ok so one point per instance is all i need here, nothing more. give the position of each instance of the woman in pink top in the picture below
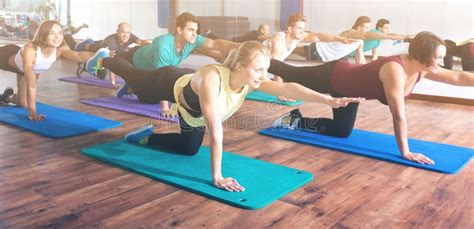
(389, 80)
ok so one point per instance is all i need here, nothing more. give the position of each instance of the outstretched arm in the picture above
(457, 78)
(297, 91)
(208, 83)
(370, 35)
(219, 44)
(79, 57)
(394, 84)
(141, 42)
(326, 37)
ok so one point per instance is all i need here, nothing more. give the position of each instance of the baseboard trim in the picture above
(443, 99)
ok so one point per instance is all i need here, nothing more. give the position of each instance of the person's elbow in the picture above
(398, 117)
(286, 89)
(27, 71)
(216, 136)
(209, 43)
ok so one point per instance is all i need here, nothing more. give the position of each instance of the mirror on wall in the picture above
(19, 20)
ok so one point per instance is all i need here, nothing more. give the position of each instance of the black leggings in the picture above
(318, 78)
(152, 87)
(467, 56)
(187, 142)
(128, 54)
(5, 53)
(71, 43)
(463, 51)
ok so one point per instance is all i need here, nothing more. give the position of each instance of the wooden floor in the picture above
(48, 183)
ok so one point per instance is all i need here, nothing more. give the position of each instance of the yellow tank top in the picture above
(228, 101)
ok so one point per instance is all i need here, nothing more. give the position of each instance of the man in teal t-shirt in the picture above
(171, 49)
(371, 44)
(382, 26)
(162, 52)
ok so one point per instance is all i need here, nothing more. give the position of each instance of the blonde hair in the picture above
(43, 32)
(293, 18)
(245, 54)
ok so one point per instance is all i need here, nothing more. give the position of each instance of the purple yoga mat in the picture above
(90, 80)
(130, 104)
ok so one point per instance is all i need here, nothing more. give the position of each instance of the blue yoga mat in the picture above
(448, 158)
(264, 97)
(264, 182)
(59, 122)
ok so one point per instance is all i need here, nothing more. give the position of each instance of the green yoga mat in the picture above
(264, 97)
(264, 182)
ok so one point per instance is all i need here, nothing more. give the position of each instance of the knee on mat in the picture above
(189, 150)
(341, 133)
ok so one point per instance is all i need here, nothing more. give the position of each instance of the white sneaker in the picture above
(289, 120)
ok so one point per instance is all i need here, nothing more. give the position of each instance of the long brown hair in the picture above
(43, 32)
(360, 21)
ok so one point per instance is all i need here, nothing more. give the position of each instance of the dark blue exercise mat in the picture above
(59, 122)
(448, 158)
(264, 182)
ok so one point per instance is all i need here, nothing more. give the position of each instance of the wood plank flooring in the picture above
(48, 183)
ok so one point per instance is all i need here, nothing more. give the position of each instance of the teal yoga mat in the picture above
(264, 182)
(264, 97)
(448, 158)
(59, 122)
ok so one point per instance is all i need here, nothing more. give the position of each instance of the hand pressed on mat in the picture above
(229, 184)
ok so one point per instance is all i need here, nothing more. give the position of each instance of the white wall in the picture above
(201, 7)
(452, 19)
(258, 11)
(428, 87)
(102, 16)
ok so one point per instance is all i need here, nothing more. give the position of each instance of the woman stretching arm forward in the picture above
(389, 80)
(207, 98)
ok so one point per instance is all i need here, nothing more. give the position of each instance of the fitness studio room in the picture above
(236, 113)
